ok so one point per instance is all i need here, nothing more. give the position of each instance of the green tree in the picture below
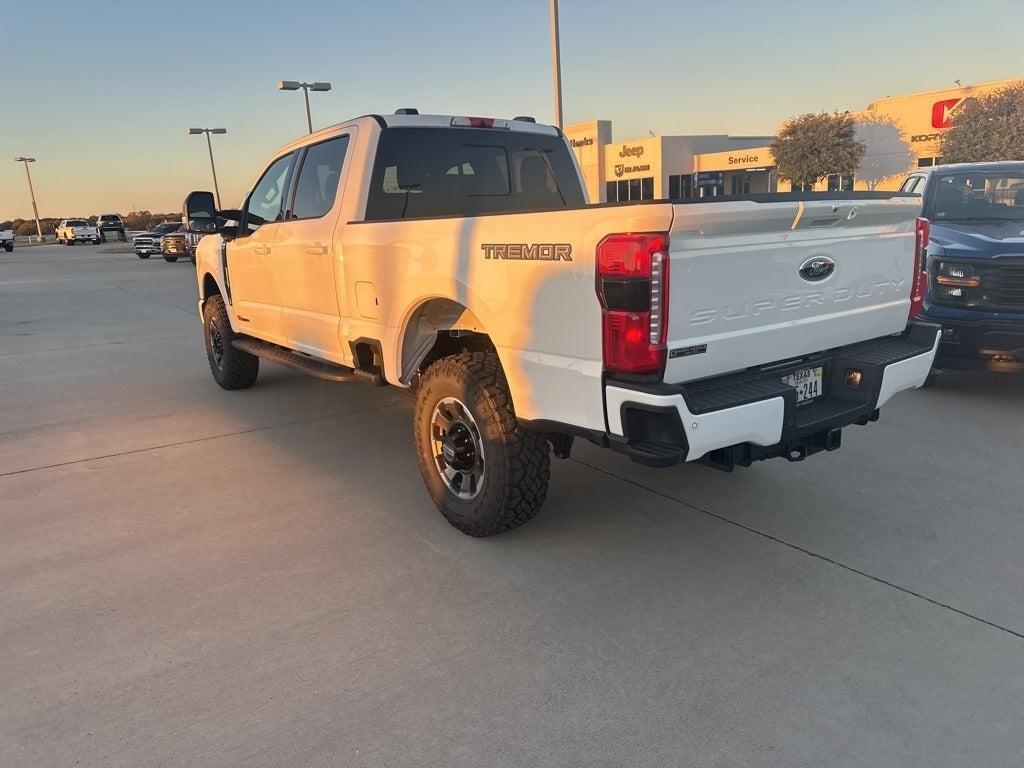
(810, 147)
(987, 128)
(887, 151)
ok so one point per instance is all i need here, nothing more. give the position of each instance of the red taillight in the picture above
(632, 286)
(921, 234)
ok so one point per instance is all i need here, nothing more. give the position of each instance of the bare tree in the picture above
(887, 151)
(812, 146)
(987, 128)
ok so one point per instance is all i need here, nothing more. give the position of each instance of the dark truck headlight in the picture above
(953, 281)
(952, 273)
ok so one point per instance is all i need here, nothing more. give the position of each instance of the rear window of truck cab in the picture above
(426, 172)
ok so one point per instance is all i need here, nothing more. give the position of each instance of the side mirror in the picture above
(200, 213)
(201, 217)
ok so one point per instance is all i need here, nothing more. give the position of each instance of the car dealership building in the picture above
(901, 133)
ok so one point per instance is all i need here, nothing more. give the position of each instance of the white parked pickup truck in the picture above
(71, 231)
(458, 257)
(7, 239)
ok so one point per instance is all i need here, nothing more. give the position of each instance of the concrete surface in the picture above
(195, 577)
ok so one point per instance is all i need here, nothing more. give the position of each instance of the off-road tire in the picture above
(170, 259)
(516, 460)
(235, 369)
(9, 247)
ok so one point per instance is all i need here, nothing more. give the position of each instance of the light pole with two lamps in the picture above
(294, 85)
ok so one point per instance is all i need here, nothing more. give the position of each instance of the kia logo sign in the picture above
(817, 268)
(942, 112)
(631, 151)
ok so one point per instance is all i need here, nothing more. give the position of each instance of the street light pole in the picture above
(294, 85)
(209, 146)
(31, 193)
(556, 63)
(213, 169)
(309, 119)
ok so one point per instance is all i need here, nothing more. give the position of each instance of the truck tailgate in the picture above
(747, 283)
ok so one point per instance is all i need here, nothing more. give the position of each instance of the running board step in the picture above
(313, 366)
(370, 376)
(655, 454)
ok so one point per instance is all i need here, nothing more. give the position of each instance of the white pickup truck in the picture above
(458, 257)
(71, 231)
(7, 239)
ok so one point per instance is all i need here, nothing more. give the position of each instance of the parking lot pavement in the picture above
(195, 577)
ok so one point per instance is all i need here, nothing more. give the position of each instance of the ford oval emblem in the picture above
(817, 268)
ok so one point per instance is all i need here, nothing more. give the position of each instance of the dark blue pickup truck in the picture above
(975, 261)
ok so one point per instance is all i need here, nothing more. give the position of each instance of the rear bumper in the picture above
(740, 418)
(978, 339)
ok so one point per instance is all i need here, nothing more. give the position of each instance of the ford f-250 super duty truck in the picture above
(459, 257)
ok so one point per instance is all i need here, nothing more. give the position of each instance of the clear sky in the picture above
(103, 92)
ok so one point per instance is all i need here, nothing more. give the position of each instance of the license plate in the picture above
(806, 382)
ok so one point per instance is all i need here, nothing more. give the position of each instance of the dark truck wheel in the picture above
(170, 259)
(485, 472)
(232, 368)
(96, 241)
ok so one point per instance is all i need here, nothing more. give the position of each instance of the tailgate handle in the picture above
(317, 250)
(263, 250)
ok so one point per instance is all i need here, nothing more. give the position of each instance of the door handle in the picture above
(317, 250)
(261, 250)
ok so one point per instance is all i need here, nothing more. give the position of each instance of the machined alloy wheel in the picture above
(458, 448)
(485, 471)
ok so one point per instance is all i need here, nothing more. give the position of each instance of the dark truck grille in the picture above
(1001, 289)
(1007, 286)
(173, 243)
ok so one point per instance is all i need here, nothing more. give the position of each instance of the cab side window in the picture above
(912, 185)
(317, 186)
(267, 199)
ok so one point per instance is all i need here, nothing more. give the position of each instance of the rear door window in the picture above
(428, 172)
(317, 185)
